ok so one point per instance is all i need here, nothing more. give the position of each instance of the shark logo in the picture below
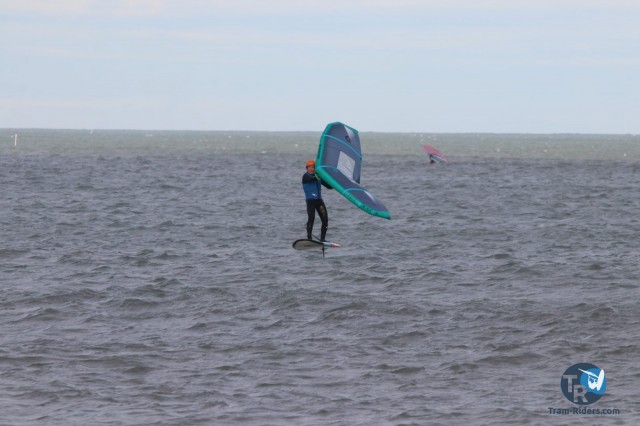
(583, 384)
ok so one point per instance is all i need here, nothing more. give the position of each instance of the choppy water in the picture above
(148, 278)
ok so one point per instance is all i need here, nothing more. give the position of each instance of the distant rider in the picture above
(311, 185)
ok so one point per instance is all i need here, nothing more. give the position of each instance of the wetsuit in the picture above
(312, 193)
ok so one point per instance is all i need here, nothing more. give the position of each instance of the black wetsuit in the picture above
(311, 186)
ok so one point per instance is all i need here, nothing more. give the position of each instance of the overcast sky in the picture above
(525, 66)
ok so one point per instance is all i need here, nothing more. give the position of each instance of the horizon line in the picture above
(89, 129)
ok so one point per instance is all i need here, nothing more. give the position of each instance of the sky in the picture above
(442, 66)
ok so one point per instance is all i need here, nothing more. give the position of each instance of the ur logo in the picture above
(583, 384)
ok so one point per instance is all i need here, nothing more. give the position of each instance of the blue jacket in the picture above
(312, 188)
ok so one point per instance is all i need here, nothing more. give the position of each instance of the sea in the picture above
(148, 278)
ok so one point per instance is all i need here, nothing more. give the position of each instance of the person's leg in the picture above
(324, 217)
(311, 215)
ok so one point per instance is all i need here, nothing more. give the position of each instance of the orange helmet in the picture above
(311, 163)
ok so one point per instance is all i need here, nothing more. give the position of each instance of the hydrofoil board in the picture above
(313, 244)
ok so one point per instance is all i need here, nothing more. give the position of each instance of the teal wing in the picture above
(339, 163)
